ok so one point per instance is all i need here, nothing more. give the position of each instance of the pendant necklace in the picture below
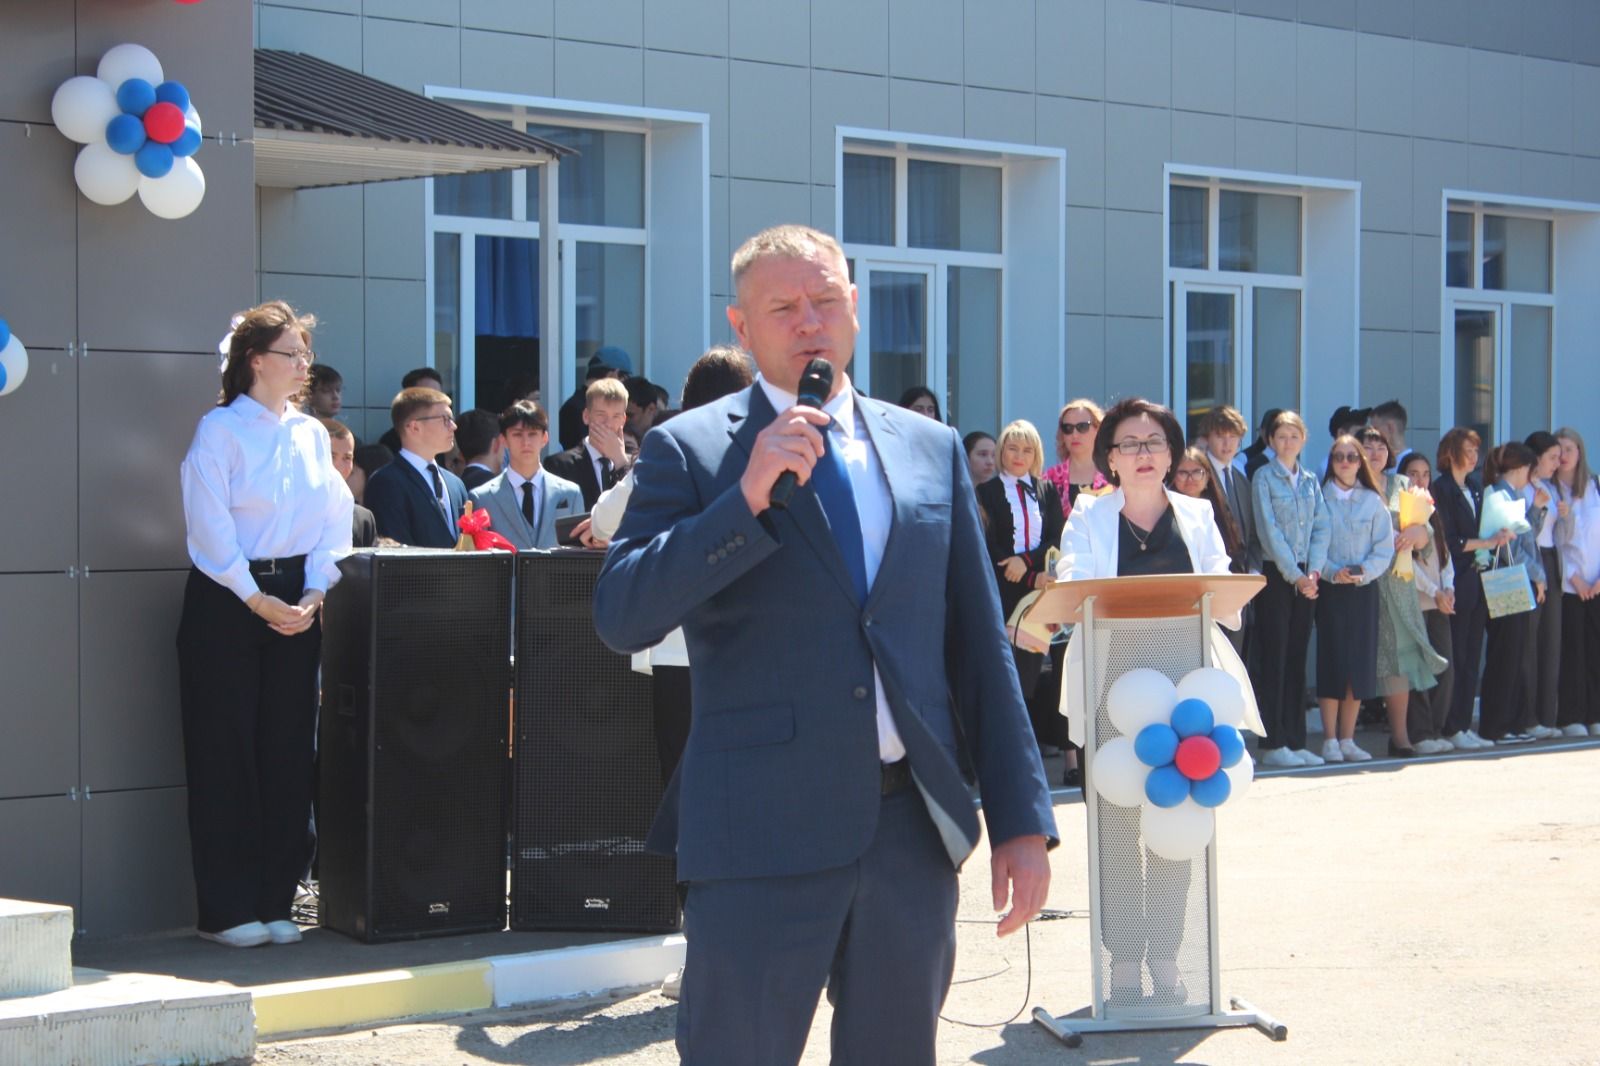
(1144, 541)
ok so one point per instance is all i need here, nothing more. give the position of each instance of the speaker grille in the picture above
(587, 778)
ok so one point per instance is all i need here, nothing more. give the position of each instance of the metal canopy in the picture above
(321, 124)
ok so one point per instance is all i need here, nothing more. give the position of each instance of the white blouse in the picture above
(1027, 523)
(257, 486)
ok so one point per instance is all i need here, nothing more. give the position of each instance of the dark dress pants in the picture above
(1282, 635)
(1503, 695)
(669, 689)
(1425, 713)
(879, 934)
(1466, 640)
(249, 704)
(1580, 661)
(1541, 653)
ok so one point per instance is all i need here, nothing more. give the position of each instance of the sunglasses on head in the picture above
(1070, 428)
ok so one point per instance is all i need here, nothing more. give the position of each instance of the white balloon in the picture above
(191, 117)
(14, 357)
(82, 107)
(1139, 698)
(1218, 688)
(1240, 774)
(129, 61)
(1177, 833)
(176, 193)
(1117, 774)
(104, 176)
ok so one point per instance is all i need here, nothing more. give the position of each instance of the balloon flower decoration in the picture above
(139, 131)
(1179, 758)
(476, 534)
(13, 360)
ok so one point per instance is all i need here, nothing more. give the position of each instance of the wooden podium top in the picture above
(1145, 596)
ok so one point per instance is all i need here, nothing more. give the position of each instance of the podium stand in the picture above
(1143, 907)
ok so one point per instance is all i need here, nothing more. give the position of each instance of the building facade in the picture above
(1266, 202)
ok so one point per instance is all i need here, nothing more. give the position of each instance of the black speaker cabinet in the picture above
(586, 777)
(416, 685)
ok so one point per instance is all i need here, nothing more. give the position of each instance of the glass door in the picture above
(897, 344)
(1477, 338)
(1207, 339)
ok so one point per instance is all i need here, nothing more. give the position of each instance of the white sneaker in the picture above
(248, 935)
(1461, 741)
(1434, 747)
(1540, 732)
(1575, 730)
(1308, 758)
(672, 987)
(1332, 751)
(1473, 733)
(283, 932)
(1352, 753)
(1282, 758)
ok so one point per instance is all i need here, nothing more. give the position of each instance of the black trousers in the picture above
(1503, 696)
(1466, 640)
(249, 701)
(1580, 660)
(1282, 635)
(1541, 653)
(669, 685)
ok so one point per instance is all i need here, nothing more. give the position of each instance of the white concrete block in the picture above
(35, 949)
(540, 976)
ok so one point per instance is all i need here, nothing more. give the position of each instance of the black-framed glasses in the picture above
(1153, 446)
(1069, 428)
(429, 418)
(299, 353)
(1188, 475)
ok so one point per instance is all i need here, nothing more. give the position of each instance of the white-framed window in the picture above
(954, 296)
(1499, 271)
(1254, 263)
(632, 252)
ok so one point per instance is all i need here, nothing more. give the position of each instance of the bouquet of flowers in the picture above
(1416, 507)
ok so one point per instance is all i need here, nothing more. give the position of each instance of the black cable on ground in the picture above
(1027, 941)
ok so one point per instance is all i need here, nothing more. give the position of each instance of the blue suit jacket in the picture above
(402, 501)
(781, 773)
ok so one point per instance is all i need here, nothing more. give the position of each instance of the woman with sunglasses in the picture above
(1407, 661)
(1360, 551)
(1434, 576)
(1292, 526)
(1075, 471)
(268, 517)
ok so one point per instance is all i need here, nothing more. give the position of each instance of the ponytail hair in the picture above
(1512, 455)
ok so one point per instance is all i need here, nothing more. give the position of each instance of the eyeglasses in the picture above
(1069, 428)
(299, 353)
(429, 418)
(1345, 457)
(1153, 446)
(1189, 475)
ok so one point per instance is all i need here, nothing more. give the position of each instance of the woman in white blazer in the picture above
(1143, 527)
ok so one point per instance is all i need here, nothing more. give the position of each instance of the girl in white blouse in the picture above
(268, 517)
(1578, 539)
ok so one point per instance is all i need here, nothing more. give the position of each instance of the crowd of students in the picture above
(1394, 600)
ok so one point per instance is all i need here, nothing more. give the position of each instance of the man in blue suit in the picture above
(414, 499)
(849, 659)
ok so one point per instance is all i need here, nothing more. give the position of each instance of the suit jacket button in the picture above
(738, 541)
(712, 558)
(722, 553)
(860, 692)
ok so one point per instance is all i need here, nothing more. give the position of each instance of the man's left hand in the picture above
(1021, 871)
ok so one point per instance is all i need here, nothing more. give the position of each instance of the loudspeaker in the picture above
(416, 682)
(586, 779)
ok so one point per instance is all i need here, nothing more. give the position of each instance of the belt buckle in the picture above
(270, 565)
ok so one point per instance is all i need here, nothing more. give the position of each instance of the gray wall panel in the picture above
(605, 21)
(1391, 17)
(1079, 126)
(1138, 53)
(1265, 81)
(131, 507)
(39, 715)
(512, 16)
(1202, 60)
(925, 39)
(839, 99)
(693, 83)
(508, 63)
(761, 142)
(919, 107)
(324, 34)
(392, 218)
(681, 25)
(1383, 83)
(311, 231)
(1326, 69)
(38, 424)
(41, 840)
(850, 35)
(1339, 14)
(996, 115)
(153, 284)
(1070, 52)
(37, 273)
(990, 58)
(132, 731)
(35, 57)
(606, 73)
(769, 31)
(136, 871)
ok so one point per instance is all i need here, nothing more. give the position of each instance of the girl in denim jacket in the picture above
(1292, 525)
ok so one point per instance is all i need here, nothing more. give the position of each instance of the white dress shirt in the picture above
(595, 455)
(1027, 523)
(537, 481)
(257, 486)
(875, 508)
(421, 465)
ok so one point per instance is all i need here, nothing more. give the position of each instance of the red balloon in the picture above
(1198, 758)
(163, 123)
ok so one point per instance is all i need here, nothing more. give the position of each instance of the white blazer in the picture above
(1089, 548)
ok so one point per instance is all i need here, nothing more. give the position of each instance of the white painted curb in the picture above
(564, 973)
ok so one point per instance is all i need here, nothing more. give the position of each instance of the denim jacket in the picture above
(1291, 519)
(1525, 549)
(1360, 533)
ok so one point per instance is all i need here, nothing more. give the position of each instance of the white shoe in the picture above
(1309, 758)
(1575, 730)
(1473, 733)
(1461, 741)
(1352, 753)
(283, 932)
(1594, 730)
(248, 935)
(1434, 747)
(1332, 751)
(1540, 732)
(1281, 758)
(672, 987)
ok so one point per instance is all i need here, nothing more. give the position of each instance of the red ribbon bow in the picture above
(476, 525)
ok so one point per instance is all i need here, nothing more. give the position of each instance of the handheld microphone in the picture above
(815, 384)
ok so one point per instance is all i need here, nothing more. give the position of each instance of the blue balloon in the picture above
(125, 134)
(174, 93)
(135, 96)
(1229, 743)
(1156, 744)
(187, 144)
(1192, 718)
(5, 333)
(1212, 791)
(154, 160)
(2, 377)
(1166, 787)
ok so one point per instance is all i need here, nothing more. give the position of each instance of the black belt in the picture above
(896, 776)
(266, 567)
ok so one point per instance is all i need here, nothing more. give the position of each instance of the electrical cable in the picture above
(1027, 941)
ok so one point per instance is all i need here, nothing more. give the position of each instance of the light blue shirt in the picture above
(1360, 532)
(1291, 519)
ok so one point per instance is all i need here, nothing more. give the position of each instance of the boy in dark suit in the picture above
(414, 499)
(599, 460)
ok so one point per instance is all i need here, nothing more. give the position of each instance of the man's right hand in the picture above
(610, 445)
(791, 442)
